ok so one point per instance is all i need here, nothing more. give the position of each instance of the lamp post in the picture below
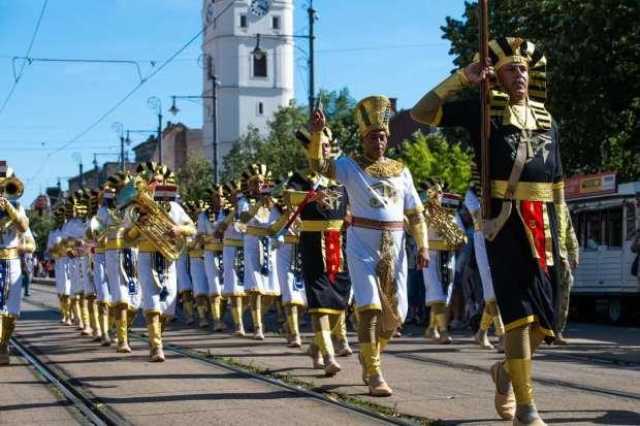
(258, 53)
(214, 128)
(156, 105)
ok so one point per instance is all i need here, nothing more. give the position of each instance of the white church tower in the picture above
(250, 86)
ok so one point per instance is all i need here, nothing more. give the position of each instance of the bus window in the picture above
(631, 220)
(593, 221)
(613, 227)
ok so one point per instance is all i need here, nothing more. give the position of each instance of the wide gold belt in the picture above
(233, 243)
(145, 246)
(440, 245)
(217, 246)
(100, 250)
(321, 225)
(8, 253)
(117, 244)
(258, 231)
(529, 191)
(196, 253)
(291, 239)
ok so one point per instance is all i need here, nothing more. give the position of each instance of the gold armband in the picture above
(428, 110)
(418, 230)
(20, 221)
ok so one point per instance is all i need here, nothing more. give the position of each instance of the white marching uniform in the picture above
(117, 278)
(150, 279)
(233, 242)
(63, 283)
(182, 270)
(472, 203)
(196, 257)
(259, 254)
(76, 228)
(291, 283)
(212, 258)
(100, 282)
(434, 288)
(381, 199)
(10, 268)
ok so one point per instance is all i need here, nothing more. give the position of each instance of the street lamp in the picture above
(156, 105)
(214, 128)
(259, 53)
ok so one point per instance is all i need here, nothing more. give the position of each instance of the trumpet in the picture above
(11, 187)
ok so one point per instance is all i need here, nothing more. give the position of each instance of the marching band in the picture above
(327, 240)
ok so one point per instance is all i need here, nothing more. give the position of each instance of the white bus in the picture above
(605, 218)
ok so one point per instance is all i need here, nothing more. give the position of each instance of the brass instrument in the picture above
(11, 187)
(157, 225)
(444, 222)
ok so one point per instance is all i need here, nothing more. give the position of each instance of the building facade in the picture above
(250, 87)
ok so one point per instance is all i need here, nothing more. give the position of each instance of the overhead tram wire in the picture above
(128, 95)
(24, 63)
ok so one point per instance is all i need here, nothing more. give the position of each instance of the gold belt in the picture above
(118, 244)
(528, 191)
(217, 246)
(321, 225)
(362, 222)
(295, 198)
(145, 246)
(440, 245)
(258, 231)
(100, 250)
(8, 253)
(291, 239)
(196, 253)
(233, 243)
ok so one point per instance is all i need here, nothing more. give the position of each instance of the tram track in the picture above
(87, 408)
(90, 404)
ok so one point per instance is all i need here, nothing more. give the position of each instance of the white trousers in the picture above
(100, 278)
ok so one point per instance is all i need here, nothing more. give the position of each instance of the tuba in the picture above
(11, 187)
(158, 224)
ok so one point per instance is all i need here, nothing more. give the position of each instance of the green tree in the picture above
(194, 178)
(593, 51)
(433, 157)
(40, 225)
(280, 150)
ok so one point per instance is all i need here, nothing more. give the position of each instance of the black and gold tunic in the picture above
(321, 245)
(525, 254)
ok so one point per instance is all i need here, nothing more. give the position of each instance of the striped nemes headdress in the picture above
(78, 203)
(256, 172)
(95, 199)
(153, 172)
(231, 188)
(373, 113)
(116, 182)
(510, 50)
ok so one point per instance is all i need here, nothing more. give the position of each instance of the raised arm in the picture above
(319, 146)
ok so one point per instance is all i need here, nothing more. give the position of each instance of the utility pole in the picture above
(81, 177)
(214, 118)
(122, 152)
(155, 104)
(312, 84)
(95, 169)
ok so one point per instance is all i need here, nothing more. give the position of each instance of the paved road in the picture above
(593, 381)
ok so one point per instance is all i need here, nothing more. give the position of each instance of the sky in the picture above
(59, 114)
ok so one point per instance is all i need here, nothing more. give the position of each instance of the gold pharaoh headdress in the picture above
(373, 113)
(509, 50)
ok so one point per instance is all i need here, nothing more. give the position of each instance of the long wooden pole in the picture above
(486, 118)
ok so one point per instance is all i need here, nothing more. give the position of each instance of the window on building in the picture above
(260, 65)
(275, 22)
(243, 21)
(260, 108)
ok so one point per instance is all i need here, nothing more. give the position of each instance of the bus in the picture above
(606, 216)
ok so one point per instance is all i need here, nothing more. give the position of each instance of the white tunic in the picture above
(182, 269)
(291, 286)
(100, 282)
(198, 274)
(63, 284)
(383, 199)
(212, 260)
(75, 228)
(232, 284)
(10, 238)
(258, 256)
(150, 291)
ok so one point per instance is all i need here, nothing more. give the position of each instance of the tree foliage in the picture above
(593, 52)
(432, 157)
(280, 149)
(40, 224)
(194, 178)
